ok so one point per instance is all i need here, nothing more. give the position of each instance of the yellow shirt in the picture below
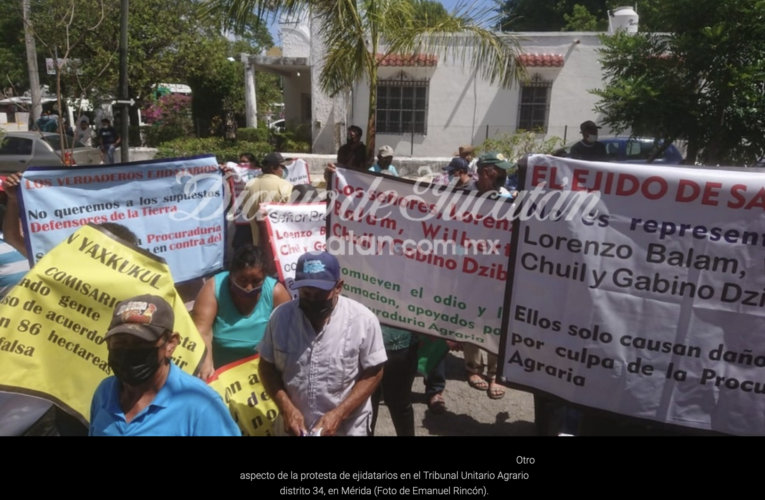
(264, 189)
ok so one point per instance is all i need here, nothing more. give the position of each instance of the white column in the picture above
(250, 99)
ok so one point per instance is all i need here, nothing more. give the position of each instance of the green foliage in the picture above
(582, 20)
(702, 83)
(217, 84)
(259, 134)
(223, 150)
(13, 69)
(295, 139)
(522, 142)
(429, 12)
(563, 15)
(167, 43)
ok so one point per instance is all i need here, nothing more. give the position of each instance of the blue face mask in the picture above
(285, 173)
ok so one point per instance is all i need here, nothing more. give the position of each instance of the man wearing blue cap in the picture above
(322, 356)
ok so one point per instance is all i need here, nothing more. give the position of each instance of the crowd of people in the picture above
(325, 359)
(105, 138)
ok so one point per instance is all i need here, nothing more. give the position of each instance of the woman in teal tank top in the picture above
(232, 309)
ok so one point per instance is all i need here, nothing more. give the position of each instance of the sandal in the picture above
(437, 404)
(477, 382)
(496, 391)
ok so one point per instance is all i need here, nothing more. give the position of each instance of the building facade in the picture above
(427, 106)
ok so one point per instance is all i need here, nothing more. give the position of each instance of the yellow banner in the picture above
(52, 324)
(240, 386)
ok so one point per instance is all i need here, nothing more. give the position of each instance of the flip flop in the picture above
(495, 391)
(477, 382)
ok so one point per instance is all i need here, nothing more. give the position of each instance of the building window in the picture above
(402, 106)
(534, 106)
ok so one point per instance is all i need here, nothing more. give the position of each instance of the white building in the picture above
(427, 106)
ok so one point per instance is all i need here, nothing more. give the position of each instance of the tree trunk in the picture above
(34, 77)
(372, 124)
(692, 151)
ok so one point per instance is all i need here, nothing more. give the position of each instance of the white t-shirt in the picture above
(85, 136)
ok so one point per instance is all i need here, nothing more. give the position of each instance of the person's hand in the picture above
(328, 424)
(294, 423)
(454, 346)
(328, 171)
(206, 371)
(11, 185)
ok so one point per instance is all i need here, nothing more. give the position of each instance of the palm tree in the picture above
(356, 31)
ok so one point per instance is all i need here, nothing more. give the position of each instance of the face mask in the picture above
(134, 366)
(317, 310)
(592, 137)
(285, 174)
(349, 140)
(242, 292)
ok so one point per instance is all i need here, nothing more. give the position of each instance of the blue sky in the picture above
(480, 5)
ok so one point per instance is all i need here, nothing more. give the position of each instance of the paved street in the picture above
(469, 412)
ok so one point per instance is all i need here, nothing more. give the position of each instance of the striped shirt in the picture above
(13, 267)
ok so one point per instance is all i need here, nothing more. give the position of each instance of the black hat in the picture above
(147, 317)
(274, 159)
(588, 125)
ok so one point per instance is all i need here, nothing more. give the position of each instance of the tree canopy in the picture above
(355, 32)
(573, 15)
(703, 82)
(167, 43)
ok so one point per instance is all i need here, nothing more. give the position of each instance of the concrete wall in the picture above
(295, 34)
(294, 88)
(406, 167)
(463, 108)
(571, 103)
(328, 114)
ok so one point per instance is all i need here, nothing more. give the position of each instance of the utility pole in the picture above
(124, 97)
(34, 77)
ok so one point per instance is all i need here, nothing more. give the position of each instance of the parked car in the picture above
(632, 150)
(21, 150)
(278, 126)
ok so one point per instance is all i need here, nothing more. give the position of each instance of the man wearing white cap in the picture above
(384, 163)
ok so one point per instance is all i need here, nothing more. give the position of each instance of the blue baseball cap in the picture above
(318, 270)
(456, 165)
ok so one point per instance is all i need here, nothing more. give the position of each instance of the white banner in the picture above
(428, 260)
(649, 301)
(295, 229)
(242, 174)
(298, 172)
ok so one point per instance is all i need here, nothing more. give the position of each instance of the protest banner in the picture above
(432, 261)
(298, 172)
(241, 175)
(52, 324)
(240, 387)
(294, 229)
(648, 300)
(175, 207)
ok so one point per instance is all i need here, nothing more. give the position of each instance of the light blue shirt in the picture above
(391, 170)
(13, 267)
(185, 406)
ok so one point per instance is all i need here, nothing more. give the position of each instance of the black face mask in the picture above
(349, 139)
(317, 310)
(134, 366)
